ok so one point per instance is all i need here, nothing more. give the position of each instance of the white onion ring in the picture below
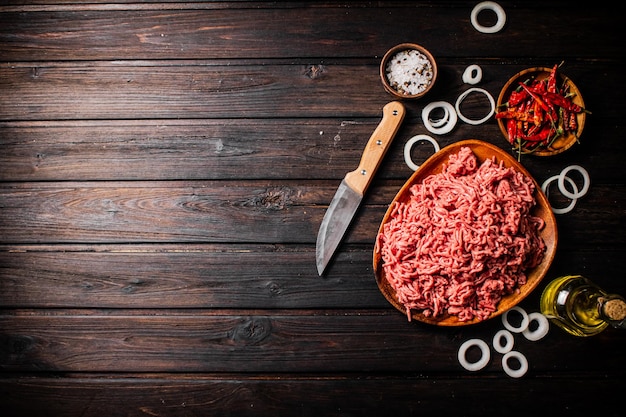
(503, 334)
(443, 120)
(586, 181)
(524, 323)
(515, 373)
(473, 74)
(567, 209)
(464, 95)
(409, 145)
(488, 5)
(540, 331)
(479, 364)
(450, 122)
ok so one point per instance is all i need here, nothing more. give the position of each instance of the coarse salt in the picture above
(409, 72)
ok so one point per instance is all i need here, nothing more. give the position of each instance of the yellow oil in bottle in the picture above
(577, 305)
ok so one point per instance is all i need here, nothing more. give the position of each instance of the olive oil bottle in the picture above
(580, 307)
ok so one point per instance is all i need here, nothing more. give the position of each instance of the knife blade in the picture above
(349, 195)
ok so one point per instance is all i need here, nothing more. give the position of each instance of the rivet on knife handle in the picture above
(376, 148)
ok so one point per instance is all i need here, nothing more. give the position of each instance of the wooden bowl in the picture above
(434, 165)
(420, 78)
(562, 143)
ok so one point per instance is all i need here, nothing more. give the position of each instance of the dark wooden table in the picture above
(164, 169)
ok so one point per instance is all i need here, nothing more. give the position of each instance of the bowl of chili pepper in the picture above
(541, 112)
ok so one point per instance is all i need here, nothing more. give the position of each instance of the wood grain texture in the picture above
(260, 341)
(165, 165)
(216, 276)
(162, 90)
(232, 212)
(252, 149)
(325, 30)
(284, 395)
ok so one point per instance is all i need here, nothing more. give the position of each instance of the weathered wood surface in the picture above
(164, 167)
(303, 30)
(303, 395)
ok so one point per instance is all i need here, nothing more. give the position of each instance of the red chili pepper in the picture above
(511, 129)
(563, 117)
(537, 98)
(530, 147)
(572, 122)
(523, 126)
(551, 80)
(514, 114)
(537, 87)
(562, 101)
(532, 129)
(542, 135)
(537, 114)
(517, 97)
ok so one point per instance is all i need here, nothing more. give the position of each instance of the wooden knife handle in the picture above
(376, 148)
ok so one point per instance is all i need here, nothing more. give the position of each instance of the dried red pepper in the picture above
(535, 93)
(538, 112)
(551, 83)
(517, 97)
(515, 114)
(562, 101)
(572, 122)
(511, 129)
(541, 136)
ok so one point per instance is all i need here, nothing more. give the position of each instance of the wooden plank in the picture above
(262, 341)
(236, 212)
(60, 5)
(252, 149)
(286, 395)
(333, 31)
(188, 149)
(189, 276)
(170, 90)
(143, 211)
(221, 276)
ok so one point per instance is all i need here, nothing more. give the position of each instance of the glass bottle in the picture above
(580, 307)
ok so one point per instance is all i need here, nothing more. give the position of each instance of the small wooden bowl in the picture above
(542, 209)
(400, 91)
(566, 141)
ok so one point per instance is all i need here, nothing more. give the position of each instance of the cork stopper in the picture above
(615, 309)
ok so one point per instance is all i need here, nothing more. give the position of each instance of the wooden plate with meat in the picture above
(440, 266)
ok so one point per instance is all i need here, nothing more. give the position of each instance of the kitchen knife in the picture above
(348, 196)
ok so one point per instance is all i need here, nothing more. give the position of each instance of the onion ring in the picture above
(503, 334)
(540, 331)
(524, 323)
(450, 122)
(479, 364)
(586, 181)
(464, 95)
(488, 5)
(567, 209)
(472, 75)
(443, 120)
(409, 146)
(514, 373)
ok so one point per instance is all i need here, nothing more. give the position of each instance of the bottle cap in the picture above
(615, 309)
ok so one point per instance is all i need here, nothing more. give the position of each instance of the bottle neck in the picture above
(613, 310)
